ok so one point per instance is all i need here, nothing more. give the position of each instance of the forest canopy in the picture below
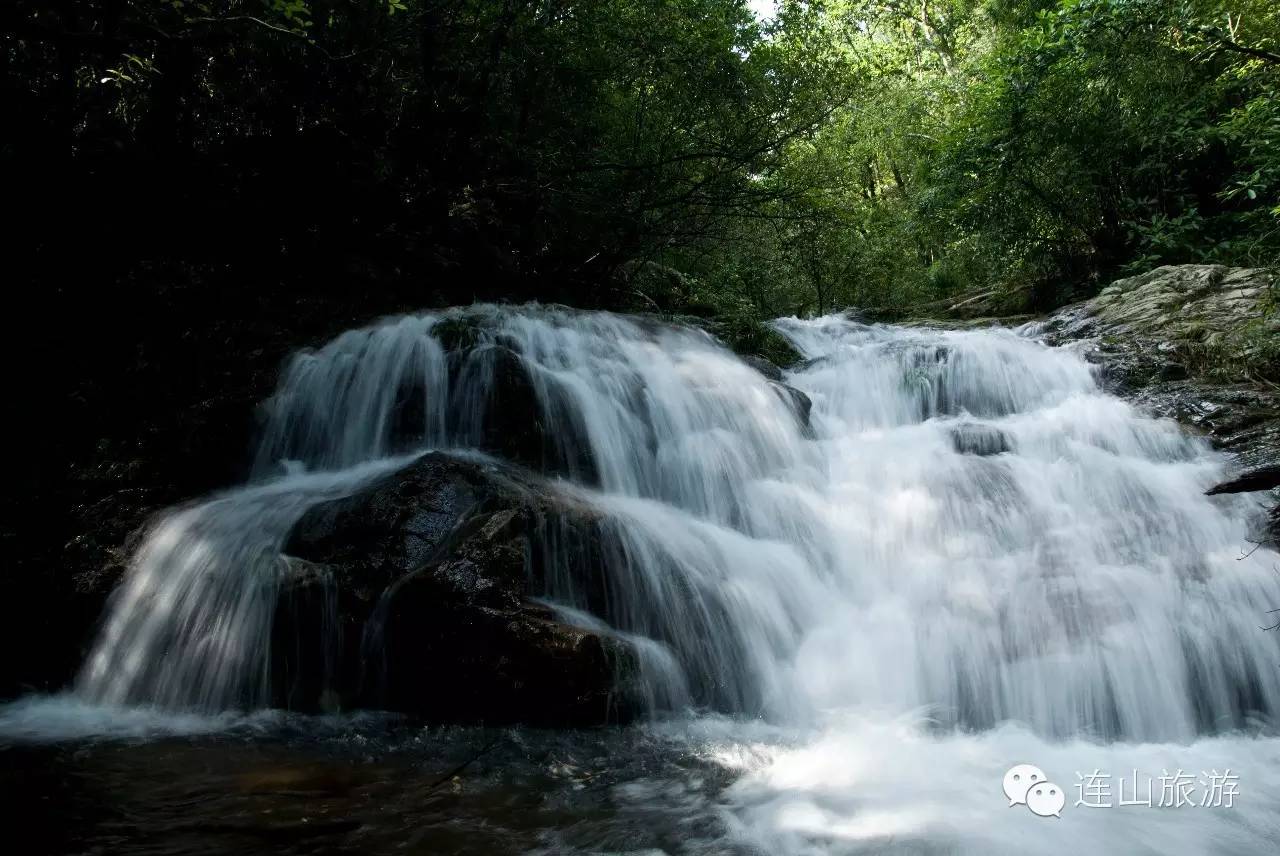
(681, 156)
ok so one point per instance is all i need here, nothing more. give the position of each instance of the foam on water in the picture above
(889, 785)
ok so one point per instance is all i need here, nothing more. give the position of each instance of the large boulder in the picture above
(417, 594)
(1190, 342)
(769, 369)
(976, 438)
(1183, 302)
(1204, 322)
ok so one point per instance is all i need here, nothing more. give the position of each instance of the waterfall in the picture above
(189, 628)
(1014, 544)
(970, 527)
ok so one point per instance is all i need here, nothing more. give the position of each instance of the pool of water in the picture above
(81, 780)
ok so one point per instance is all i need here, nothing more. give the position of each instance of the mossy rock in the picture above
(456, 334)
(760, 340)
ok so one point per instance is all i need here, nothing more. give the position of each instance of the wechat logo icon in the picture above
(1026, 784)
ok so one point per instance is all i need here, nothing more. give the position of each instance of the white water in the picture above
(1080, 582)
(977, 559)
(1073, 602)
(189, 628)
(875, 784)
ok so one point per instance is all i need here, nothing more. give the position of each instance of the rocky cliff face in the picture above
(1200, 344)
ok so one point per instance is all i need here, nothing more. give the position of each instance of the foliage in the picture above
(513, 148)
(870, 152)
(1035, 148)
(1094, 136)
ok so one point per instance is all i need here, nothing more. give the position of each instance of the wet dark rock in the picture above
(765, 367)
(507, 418)
(976, 439)
(311, 642)
(1266, 525)
(800, 404)
(768, 343)
(1263, 478)
(394, 525)
(457, 333)
(415, 594)
(495, 665)
(813, 362)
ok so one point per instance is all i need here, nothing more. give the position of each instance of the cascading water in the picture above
(1013, 544)
(975, 529)
(190, 626)
(676, 432)
(973, 549)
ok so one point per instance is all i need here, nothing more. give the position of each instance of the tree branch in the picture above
(1225, 43)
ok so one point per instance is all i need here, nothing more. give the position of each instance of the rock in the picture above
(800, 404)
(415, 594)
(1263, 478)
(980, 323)
(748, 337)
(1197, 344)
(1183, 301)
(494, 405)
(495, 665)
(506, 417)
(1179, 340)
(974, 439)
(765, 367)
(1205, 322)
(771, 345)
